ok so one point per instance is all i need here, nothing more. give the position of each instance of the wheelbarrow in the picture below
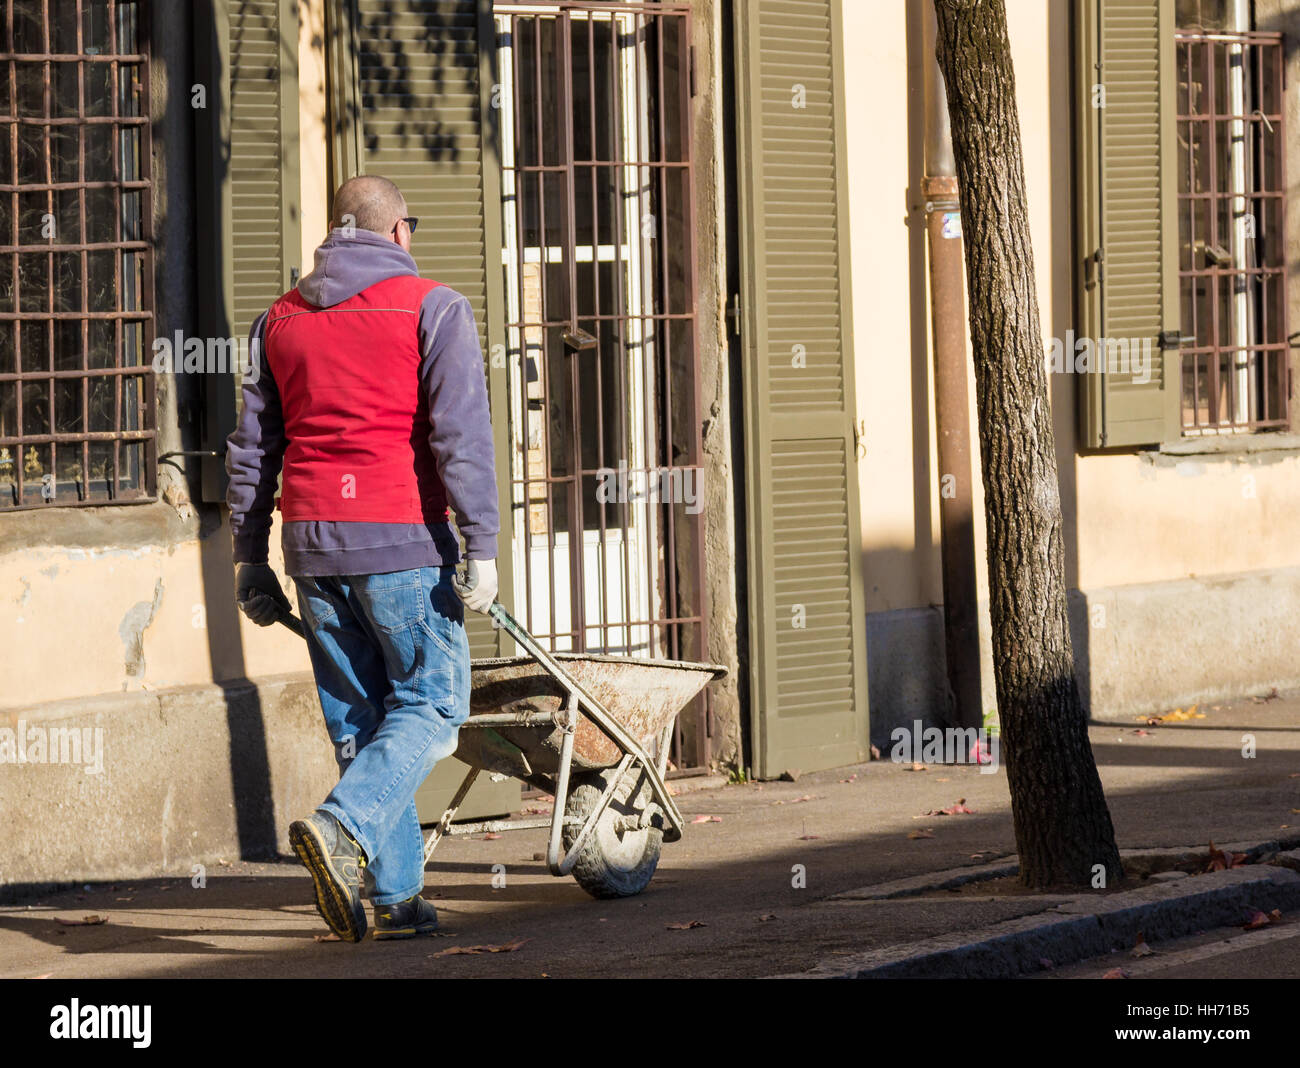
(578, 725)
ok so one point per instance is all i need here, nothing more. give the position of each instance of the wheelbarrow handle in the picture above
(292, 622)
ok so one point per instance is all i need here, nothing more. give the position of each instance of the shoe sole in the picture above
(384, 936)
(403, 932)
(341, 911)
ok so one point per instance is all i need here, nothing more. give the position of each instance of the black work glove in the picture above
(259, 594)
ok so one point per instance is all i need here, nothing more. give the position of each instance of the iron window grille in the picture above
(1232, 226)
(77, 393)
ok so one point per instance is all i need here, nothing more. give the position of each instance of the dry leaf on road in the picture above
(686, 926)
(460, 951)
(85, 921)
(957, 809)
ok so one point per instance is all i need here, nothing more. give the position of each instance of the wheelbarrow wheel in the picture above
(613, 862)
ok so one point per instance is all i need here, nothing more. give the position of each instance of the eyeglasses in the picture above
(410, 222)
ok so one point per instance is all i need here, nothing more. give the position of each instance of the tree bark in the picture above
(1063, 827)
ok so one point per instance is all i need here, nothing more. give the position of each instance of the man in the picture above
(372, 397)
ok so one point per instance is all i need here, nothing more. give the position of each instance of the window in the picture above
(1231, 222)
(76, 272)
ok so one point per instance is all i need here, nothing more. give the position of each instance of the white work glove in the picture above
(478, 587)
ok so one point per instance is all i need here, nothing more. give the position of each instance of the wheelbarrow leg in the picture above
(599, 715)
(568, 726)
(444, 824)
(665, 744)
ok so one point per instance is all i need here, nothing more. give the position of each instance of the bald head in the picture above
(368, 202)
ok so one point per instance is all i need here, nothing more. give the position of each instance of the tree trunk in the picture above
(1063, 827)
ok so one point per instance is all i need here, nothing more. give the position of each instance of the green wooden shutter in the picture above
(1127, 269)
(420, 112)
(250, 228)
(807, 618)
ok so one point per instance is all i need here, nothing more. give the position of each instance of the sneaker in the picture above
(405, 919)
(335, 862)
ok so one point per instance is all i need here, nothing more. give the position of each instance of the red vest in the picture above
(356, 421)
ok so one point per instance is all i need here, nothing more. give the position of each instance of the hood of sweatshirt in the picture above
(348, 262)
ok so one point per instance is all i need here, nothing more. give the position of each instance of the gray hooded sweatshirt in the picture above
(451, 371)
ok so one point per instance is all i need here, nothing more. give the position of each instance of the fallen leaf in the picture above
(920, 834)
(1221, 861)
(1257, 919)
(806, 797)
(957, 809)
(85, 921)
(851, 778)
(331, 937)
(918, 767)
(1140, 948)
(1178, 716)
(875, 753)
(458, 951)
(686, 926)
(490, 835)
(1116, 973)
(1143, 734)
(808, 837)
(707, 819)
(45, 976)
(767, 917)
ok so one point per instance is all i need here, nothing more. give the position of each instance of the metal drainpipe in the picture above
(1243, 312)
(951, 403)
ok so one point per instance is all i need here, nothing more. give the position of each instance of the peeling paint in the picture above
(132, 628)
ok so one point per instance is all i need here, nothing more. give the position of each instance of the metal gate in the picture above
(598, 220)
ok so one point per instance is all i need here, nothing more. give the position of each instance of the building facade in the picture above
(693, 235)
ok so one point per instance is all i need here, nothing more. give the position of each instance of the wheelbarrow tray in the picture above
(643, 696)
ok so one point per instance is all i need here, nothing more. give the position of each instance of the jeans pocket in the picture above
(314, 605)
(395, 601)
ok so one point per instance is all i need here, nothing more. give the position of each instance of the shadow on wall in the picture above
(906, 663)
(250, 773)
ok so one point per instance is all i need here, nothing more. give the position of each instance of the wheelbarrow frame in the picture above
(577, 701)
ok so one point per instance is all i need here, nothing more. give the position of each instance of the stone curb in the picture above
(1136, 861)
(1084, 926)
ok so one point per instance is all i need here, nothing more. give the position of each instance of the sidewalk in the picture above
(1178, 784)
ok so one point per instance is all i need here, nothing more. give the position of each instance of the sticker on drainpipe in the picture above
(951, 224)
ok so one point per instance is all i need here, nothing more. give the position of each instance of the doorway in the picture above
(598, 260)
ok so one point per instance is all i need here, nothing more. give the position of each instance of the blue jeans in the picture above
(391, 660)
